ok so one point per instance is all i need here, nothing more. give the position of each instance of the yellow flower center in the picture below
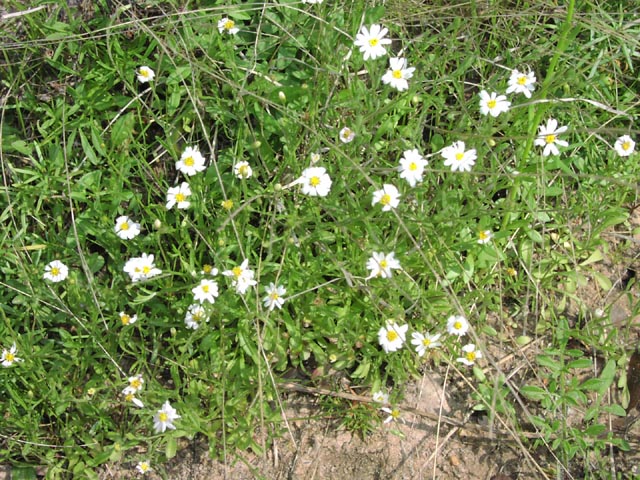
(55, 271)
(144, 466)
(386, 198)
(207, 269)
(180, 197)
(229, 24)
(383, 263)
(626, 146)
(550, 138)
(457, 325)
(511, 272)
(145, 72)
(163, 417)
(274, 296)
(314, 182)
(492, 104)
(9, 357)
(426, 342)
(197, 316)
(483, 235)
(237, 271)
(413, 166)
(129, 397)
(227, 204)
(397, 74)
(395, 413)
(244, 170)
(373, 42)
(471, 356)
(189, 161)
(125, 319)
(135, 383)
(522, 80)
(146, 269)
(391, 335)
(459, 156)
(346, 133)
(205, 288)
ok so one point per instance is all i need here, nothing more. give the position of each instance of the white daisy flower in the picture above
(274, 296)
(388, 197)
(469, 354)
(392, 336)
(398, 74)
(346, 135)
(457, 325)
(9, 357)
(423, 342)
(126, 228)
(179, 196)
(145, 74)
(227, 25)
(55, 271)
(191, 161)
(315, 182)
(458, 158)
(371, 41)
(548, 138)
(205, 291)
(524, 83)
(164, 418)
(624, 146)
(242, 277)
(380, 397)
(493, 104)
(143, 467)
(484, 236)
(242, 170)
(381, 265)
(196, 315)
(412, 166)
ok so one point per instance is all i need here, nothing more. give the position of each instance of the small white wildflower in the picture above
(457, 325)
(55, 271)
(470, 354)
(392, 336)
(624, 146)
(126, 228)
(548, 138)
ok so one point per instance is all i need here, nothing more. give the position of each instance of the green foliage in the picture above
(83, 142)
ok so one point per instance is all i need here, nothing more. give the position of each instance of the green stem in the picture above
(537, 111)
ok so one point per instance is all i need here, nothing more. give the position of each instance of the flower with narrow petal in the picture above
(127, 319)
(205, 291)
(191, 161)
(380, 397)
(392, 336)
(548, 138)
(9, 357)
(346, 135)
(141, 268)
(226, 25)
(126, 228)
(412, 166)
(484, 236)
(129, 394)
(135, 383)
(315, 182)
(388, 197)
(624, 146)
(423, 342)
(55, 271)
(520, 82)
(145, 74)
(393, 414)
(381, 265)
(242, 277)
(209, 270)
(459, 159)
(274, 296)
(143, 467)
(398, 74)
(179, 196)
(371, 41)
(469, 354)
(196, 315)
(165, 417)
(242, 170)
(493, 104)
(457, 325)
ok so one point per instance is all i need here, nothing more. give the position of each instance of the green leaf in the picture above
(171, 447)
(23, 473)
(534, 393)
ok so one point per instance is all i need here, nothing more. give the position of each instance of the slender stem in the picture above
(537, 112)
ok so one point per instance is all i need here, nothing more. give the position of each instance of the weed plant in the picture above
(240, 191)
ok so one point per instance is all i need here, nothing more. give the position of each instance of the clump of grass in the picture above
(236, 192)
